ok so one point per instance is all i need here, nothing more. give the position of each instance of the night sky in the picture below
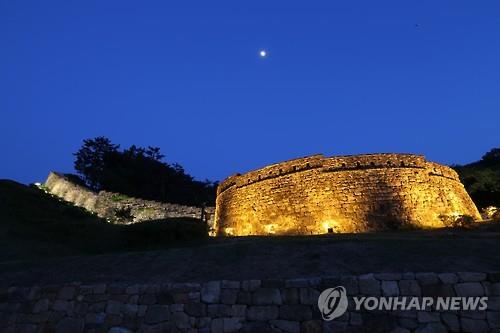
(340, 77)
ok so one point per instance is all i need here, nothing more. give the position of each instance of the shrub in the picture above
(457, 221)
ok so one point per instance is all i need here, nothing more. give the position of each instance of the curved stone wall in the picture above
(316, 195)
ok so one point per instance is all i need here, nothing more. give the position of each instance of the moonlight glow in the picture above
(263, 53)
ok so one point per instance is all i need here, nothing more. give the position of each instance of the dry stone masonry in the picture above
(316, 195)
(247, 306)
(119, 208)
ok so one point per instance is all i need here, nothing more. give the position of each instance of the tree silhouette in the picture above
(139, 172)
(91, 160)
(482, 179)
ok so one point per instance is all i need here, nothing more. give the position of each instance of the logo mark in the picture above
(332, 303)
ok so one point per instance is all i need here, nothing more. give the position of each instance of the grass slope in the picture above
(35, 225)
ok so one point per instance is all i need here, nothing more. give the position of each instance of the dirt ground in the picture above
(274, 257)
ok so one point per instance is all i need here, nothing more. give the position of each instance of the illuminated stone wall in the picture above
(119, 208)
(316, 195)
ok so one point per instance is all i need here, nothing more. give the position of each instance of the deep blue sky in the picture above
(341, 78)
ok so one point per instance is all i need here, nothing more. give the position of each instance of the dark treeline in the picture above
(482, 179)
(139, 172)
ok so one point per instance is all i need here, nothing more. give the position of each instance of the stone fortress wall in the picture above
(316, 195)
(119, 208)
(249, 306)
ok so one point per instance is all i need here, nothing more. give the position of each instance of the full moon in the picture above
(263, 53)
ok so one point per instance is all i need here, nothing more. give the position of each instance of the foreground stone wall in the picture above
(119, 208)
(316, 195)
(246, 306)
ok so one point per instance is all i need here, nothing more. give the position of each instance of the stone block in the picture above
(408, 323)
(473, 314)
(473, 325)
(41, 306)
(427, 317)
(132, 289)
(219, 310)
(409, 288)
(438, 290)
(273, 283)
(147, 299)
(432, 328)
(448, 278)
(239, 310)
(95, 318)
(355, 319)
(399, 329)
(141, 310)
(184, 287)
(130, 309)
(335, 326)
(308, 296)
(295, 312)
(494, 303)
(493, 318)
(262, 312)
(451, 321)
(34, 293)
(73, 325)
(250, 285)
(286, 325)
(232, 324)
(244, 298)
(116, 289)
(229, 296)
(180, 320)
(311, 326)
(203, 322)
(217, 325)
(114, 307)
(390, 288)
(426, 278)
(99, 289)
(63, 306)
(195, 309)
(494, 277)
(471, 276)
(296, 283)
(388, 276)
(157, 314)
(350, 283)
(469, 289)
(210, 292)
(67, 293)
(118, 329)
(290, 296)
(369, 286)
(25, 328)
(113, 320)
(176, 307)
(227, 284)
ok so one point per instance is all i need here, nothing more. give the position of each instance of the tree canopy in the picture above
(482, 179)
(139, 172)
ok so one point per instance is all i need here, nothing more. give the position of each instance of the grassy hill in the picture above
(34, 225)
